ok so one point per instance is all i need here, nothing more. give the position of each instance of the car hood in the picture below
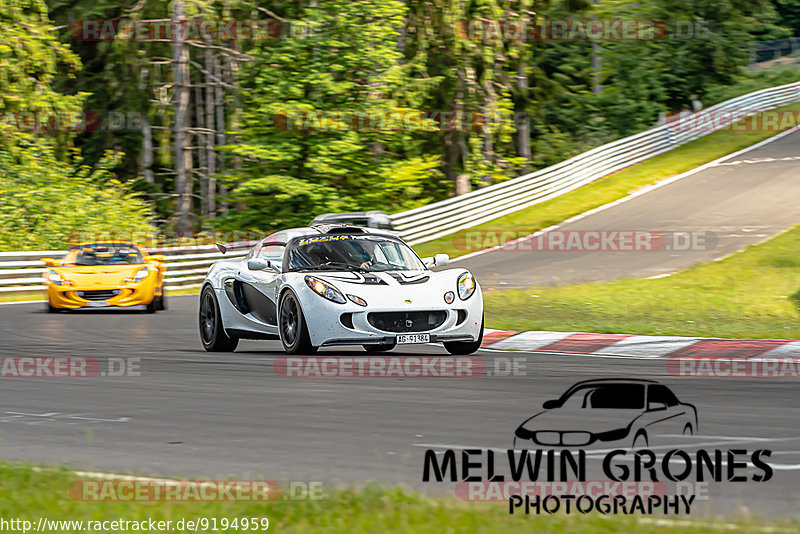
(102, 274)
(581, 419)
(401, 289)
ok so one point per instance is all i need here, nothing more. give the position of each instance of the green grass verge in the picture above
(28, 495)
(24, 295)
(609, 188)
(752, 294)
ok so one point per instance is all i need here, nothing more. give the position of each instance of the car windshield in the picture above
(611, 396)
(103, 254)
(351, 252)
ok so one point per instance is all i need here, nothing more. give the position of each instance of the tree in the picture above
(46, 193)
(316, 123)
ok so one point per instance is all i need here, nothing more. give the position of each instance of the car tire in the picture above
(50, 308)
(461, 348)
(212, 332)
(292, 326)
(152, 306)
(382, 347)
(162, 301)
(640, 440)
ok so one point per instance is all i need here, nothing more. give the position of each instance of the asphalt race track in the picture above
(736, 203)
(188, 413)
(194, 414)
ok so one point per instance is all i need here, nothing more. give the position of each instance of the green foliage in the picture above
(43, 201)
(294, 165)
(372, 57)
(31, 61)
(46, 192)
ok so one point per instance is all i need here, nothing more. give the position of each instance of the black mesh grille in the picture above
(407, 321)
(101, 294)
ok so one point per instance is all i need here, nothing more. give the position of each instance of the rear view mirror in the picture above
(549, 405)
(222, 248)
(160, 258)
(50, 262)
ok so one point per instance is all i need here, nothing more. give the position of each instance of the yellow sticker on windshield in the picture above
(324, 239)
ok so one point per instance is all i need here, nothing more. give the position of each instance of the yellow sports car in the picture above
(101, 275)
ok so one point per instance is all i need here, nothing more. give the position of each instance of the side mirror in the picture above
(656, 406)
(260, 264)
(222, 248)
(549, 405)
(257, 264)
(439, 260)
(50, 262)
(160, 258)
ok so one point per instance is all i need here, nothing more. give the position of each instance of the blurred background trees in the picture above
(342, 105)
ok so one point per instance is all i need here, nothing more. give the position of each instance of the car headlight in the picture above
(466, 286)
(325, 290)
(140, 275)
(54, 277)
(358, 300)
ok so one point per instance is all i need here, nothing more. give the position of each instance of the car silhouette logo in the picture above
(408, 301)
(600, 411)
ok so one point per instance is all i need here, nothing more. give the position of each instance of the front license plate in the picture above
(413, 338)
(98, 304)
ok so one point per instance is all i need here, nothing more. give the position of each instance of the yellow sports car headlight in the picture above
(54, 277)
(140, 275)
(465, 286)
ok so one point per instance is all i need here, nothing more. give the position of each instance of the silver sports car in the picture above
(339, 285)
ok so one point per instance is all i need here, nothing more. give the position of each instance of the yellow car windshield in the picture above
(103, 254)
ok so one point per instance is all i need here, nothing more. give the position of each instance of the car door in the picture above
(258, 288)
(666, 414)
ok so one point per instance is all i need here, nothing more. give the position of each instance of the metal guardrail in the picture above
(483, 205)
(186, 266)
